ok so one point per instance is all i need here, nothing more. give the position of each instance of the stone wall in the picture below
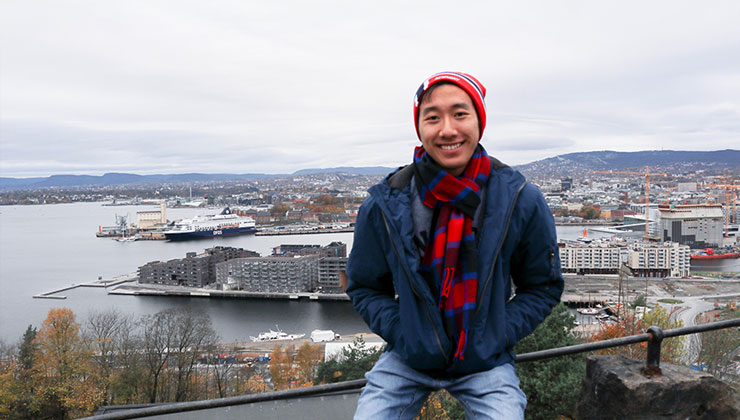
(617, 388)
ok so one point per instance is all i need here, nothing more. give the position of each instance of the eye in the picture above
(461, 114)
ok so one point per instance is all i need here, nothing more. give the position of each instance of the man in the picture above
(437, 247)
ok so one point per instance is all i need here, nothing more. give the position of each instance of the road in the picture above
(691, 307)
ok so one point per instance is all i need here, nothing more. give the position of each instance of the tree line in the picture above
(67, 369)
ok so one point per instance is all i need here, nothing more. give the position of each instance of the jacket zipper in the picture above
(552, 267)
(498, 250)
(413, 289)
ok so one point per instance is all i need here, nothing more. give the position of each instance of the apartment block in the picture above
(594, 258)
(668, 259)
(329, 269)
(272, 274)
(646, 259)
(195, 270)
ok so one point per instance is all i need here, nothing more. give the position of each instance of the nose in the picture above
(448, 127)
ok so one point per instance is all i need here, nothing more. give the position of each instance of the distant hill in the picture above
(669, 161)
(571, 164)
(62, 181)
(368, 170)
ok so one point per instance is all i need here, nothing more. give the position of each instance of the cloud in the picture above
(151, 87)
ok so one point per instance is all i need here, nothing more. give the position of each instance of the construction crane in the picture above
(647, 189)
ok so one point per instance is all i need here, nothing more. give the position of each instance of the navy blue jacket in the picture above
(516, 243)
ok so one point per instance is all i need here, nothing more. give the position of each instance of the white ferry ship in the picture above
(209, 226)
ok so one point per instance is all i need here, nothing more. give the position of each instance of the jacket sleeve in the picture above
(370, 282)
(535, 267)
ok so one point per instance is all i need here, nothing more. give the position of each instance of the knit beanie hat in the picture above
(466, 82)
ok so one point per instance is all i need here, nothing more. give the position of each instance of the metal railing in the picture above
(654, 336)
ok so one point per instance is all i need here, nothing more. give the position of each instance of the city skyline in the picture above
(89, 88)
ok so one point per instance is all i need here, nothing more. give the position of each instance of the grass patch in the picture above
(669, 300)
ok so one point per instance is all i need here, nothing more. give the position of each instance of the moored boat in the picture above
(711, 254)
(275, 335)
(211, 226)
(588, 311)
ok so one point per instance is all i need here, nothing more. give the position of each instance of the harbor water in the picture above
(48, 247)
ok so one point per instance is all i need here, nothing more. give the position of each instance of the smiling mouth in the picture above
(450, 146)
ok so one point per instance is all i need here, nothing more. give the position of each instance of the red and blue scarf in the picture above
(450, 256)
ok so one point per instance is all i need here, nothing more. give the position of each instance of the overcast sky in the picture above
(89, 87)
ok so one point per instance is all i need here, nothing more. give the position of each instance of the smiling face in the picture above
(448, 127)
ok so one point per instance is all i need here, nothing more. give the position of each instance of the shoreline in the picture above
(139, 289)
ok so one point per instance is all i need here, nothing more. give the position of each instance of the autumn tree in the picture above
(8, 383)
(307, 359)
(277, 211)
(255, 385)
(281, 367)
(328, 203)
(672, 349)
(66, 385)
(589, 212)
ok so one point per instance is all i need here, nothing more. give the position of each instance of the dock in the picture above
(115, 281)
(301, 231)
(183, 291)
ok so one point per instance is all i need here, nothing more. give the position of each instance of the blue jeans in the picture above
(396, 391)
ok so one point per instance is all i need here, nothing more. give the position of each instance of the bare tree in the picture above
(102, 331)
(174, 337)
(158, 338)
(194, 334)
(223, 370)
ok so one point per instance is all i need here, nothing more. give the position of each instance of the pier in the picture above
(182, 291)
(97, 283)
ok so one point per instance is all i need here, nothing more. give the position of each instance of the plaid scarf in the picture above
(450, 257)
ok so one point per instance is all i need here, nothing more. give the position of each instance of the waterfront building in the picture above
(591, 258)
(646, 259)
(668, 259)
(329, 270)
(273, 274)
(195, 270)
(695, 225)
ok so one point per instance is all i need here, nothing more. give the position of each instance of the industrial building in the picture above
(695, 225)
(147, 219)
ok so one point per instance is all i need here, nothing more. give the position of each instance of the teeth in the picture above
(451, 146)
